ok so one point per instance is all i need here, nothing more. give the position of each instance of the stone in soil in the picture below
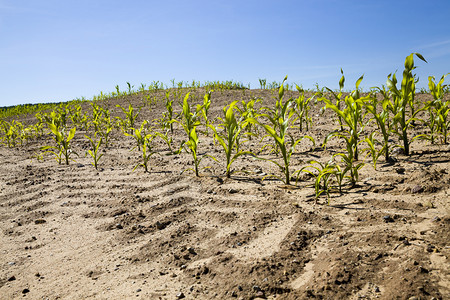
(417, 189)
(388, 219)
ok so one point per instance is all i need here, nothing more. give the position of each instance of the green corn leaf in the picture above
(71, 134)
(421, 57)
(359, 81)
(341, 81)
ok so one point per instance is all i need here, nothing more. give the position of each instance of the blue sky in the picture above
(53, 50)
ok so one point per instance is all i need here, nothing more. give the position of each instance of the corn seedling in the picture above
(349, 163)
(94, 153)
(371, 141)
(130, 118)
(249, 111)
(62, 139)
(57, 118)
(168, 115)
(301, 108)
(139, 135)
(263, 83)
(130, 88)
(189, 121)
(165, 136)
(352, 117)
(205, 108)
(403, 98)
(322, 174)
(229, 139)
(338, 98)
(383, 122)
(439, 108)
(147, 151)
(281, 119)
(104, 128)
(431, 123)
(12, 132)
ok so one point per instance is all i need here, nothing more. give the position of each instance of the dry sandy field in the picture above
(74, 232)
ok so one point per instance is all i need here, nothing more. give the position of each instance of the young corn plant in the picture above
(147, 151)
(371, 149)
(301, 108)
(189, 121)
(95, 149)
(130, 118)
(249, 111)
(130, 88)
(352, 117)
(262, 83)
(338, 98)
(40, 123)
(439, 108)
(431, 123)
(205, 109)
(168, 115)
(351, 165)
(383, 122)
(139, 135)
(11, 132)
(57, 118)
(322, 174)
(227, 134)
(166, 134)
(144, 138)
(104, 126)
(38, 129)
(404, 97)
(281, 119)
(62, 150)
(167, 138)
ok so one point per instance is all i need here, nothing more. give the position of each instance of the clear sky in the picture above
(55, 50)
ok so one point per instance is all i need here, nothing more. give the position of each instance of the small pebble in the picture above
(436, 219)
(260, 294)
(388, 219)
(180, 295)
(160, 226)
(25, 291)
(417, 189)
(400, 170)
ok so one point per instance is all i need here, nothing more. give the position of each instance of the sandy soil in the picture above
(72, 232)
